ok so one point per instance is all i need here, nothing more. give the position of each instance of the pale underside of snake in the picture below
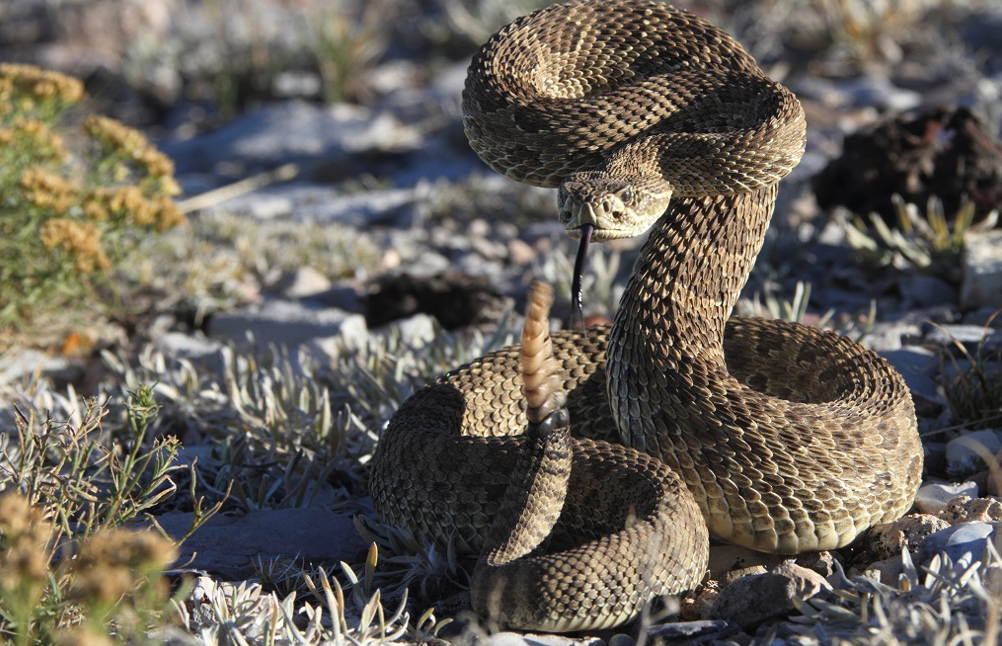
(771, 435)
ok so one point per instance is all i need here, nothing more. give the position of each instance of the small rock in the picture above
(752, 600)
(965, 509)
(972, 450)
(303, 282)
(887, 571)
(698, 604)
(964, 542)
(933, 498)
(699, 631)
(821, 562)
(520, 252)
(982, 282)
(622, 639)
(734, 575)
(886, 541)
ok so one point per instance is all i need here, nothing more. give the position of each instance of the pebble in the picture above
(932, 498)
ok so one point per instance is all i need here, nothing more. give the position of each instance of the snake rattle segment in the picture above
(587, 467)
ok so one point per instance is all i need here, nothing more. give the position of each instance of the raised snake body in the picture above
(787, 438)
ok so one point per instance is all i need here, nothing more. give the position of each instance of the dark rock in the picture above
(455, 299)
(946, 153)
(752, 600)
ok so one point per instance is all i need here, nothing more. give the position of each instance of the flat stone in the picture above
(932, 498)
(282, 323)
(230, 546)
(539, 639)
(982, 281)
(702, 630)
(964, 542)
(972, 451)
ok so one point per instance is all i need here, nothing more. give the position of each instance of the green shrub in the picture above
(73, 198)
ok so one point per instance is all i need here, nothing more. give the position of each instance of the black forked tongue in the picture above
(577, 309)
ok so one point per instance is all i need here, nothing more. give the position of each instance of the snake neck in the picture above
(690, 272)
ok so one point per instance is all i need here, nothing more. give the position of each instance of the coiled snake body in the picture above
(786, 438)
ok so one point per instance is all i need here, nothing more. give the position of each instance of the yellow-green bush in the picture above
(74, 195)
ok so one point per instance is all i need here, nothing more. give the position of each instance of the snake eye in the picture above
(626, 195)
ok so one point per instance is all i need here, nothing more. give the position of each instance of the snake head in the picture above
(617, 207)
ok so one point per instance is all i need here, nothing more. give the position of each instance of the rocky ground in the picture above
(354, 249)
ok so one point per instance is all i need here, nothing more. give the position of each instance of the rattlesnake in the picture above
(788, 438)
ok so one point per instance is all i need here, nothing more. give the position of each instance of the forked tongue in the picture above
(577, 308)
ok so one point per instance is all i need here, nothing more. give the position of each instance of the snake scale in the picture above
(587, 467)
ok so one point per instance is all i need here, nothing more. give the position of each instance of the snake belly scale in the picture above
(684, 420)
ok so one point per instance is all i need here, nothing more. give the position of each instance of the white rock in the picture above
(301, 283)
(982, 283)
(933, 498)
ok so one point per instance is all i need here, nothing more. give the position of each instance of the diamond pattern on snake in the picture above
(588, 467)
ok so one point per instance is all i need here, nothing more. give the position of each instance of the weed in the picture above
(927, 242)
(69, 214)
(72, 566)
(974, 393)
